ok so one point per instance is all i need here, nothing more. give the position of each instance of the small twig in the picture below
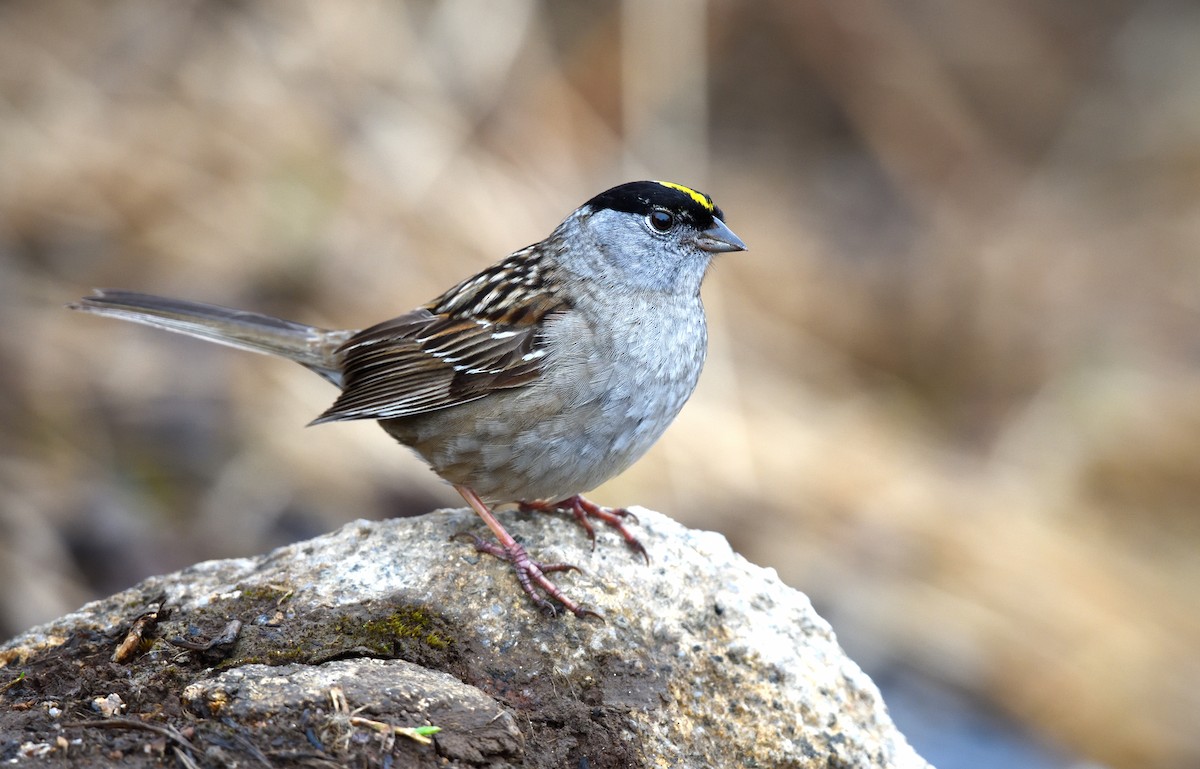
(20, 677)
(249, 746)
(169, 732)
(337, 700)
(227, 637)
(185, 759)
(417, 733)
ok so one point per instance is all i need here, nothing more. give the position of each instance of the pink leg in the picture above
(583, 509)
(529, 572)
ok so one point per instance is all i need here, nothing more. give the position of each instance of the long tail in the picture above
(309, 346)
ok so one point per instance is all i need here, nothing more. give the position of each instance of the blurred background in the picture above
(953, 390)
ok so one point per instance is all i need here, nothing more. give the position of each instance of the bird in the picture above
(533, 381)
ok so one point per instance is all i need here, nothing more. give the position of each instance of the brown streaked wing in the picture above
(421, 362)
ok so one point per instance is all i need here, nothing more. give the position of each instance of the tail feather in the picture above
(309, 346)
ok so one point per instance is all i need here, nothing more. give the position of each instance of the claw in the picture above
(583, 509)
(531, 574)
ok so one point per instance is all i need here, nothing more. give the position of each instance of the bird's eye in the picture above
(661, 220)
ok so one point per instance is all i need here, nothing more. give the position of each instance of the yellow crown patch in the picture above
(704, 200)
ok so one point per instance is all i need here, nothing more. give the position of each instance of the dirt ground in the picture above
(71, 705)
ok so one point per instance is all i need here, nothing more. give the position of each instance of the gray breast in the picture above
(606, 395)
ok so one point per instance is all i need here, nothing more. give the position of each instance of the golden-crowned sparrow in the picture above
(537, 379)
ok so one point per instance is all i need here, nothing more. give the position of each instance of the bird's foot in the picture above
(583, 509)
(531, 575)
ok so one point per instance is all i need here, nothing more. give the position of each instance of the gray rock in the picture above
(704, 660)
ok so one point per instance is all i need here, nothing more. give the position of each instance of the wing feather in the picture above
(425, 361)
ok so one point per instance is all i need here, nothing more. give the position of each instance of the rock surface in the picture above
(704, 660)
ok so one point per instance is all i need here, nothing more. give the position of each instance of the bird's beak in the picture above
(718, 239)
